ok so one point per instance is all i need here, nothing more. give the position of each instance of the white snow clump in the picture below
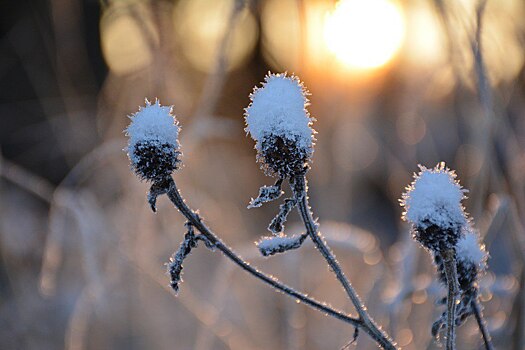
(469, 248)
(153, 123)
(278, 108)
(279, 244)
(434, 198)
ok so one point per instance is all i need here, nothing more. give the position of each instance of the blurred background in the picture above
(394, 84)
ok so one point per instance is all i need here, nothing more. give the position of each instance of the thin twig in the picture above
(449, 261)
(299, 185)
(175, 197)
(478, 313)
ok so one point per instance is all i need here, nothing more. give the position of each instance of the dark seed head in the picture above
(437, 239)
(282, 157)
(154, 161)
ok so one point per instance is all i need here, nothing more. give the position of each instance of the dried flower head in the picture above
(281, 126)
(471, 257)
(153, 146)
(471, 262)
(432, 204)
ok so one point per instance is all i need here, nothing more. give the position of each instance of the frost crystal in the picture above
(433, 205)
(278, 121)
(153, 146)
(280, 244)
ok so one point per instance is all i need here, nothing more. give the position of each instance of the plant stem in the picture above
(476, 307)
(175, 197)
(449, 260)
(299, 185)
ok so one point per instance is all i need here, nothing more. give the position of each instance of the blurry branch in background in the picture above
(203, 120)
(34, 184)
(499, 146)
(490, 130)
(487, 132)
(455, 55)
(64, 199)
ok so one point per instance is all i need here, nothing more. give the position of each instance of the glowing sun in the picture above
(364, 33)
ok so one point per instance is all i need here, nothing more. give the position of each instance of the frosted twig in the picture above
(267, 194)
(280, 244)
(476, 308)
(171, 190)
(175, 264)
(449, 261)
(277, 224)
(300, 189)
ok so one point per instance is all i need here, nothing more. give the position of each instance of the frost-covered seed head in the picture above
(433, 206)
(471, 259)
(153, 146)
(470, 249)
(281, 126)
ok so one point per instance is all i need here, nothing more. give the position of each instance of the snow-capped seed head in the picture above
(153, 146)
(470, 249)
(471, 261)
(432, 204)
(281, 126)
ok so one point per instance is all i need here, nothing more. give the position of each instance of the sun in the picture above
(364, 34)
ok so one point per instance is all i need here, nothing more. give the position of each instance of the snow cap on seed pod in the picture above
(471, 257)
(432, 204)
(278, 121)
(153, 146)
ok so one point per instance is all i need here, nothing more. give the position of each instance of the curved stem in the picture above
(175, 197)
(300, 187)
(449, 260)
(476, 307)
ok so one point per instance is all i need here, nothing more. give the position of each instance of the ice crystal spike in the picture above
(281, 126)
(433, 206)
(153, 146)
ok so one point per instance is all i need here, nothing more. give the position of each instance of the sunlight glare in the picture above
(364, 34)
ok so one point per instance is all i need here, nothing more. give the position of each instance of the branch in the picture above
(170, 189)
(449, 261)
(476, 308)
(300, 189)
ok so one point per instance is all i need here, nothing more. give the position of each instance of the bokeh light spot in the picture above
(200, 26)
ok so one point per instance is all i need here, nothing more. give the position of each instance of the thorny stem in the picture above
(170, 188)
(449, 260)
(368, 325)
(476, 307)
